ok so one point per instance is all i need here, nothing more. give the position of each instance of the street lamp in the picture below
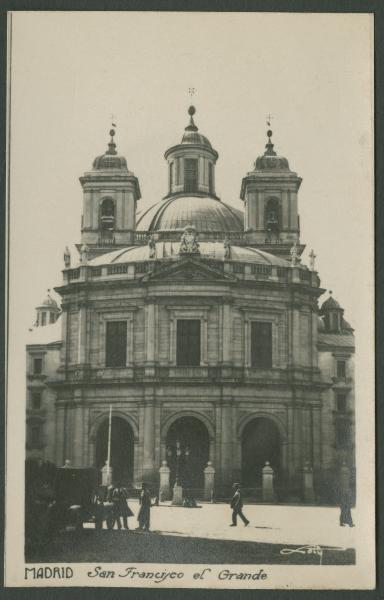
(179, 453)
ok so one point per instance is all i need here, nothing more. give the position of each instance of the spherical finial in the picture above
(112, 132)
(191, 110)
(269, 133)
(330, 292)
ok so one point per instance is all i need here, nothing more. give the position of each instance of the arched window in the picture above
(107, 214)
(272, 214)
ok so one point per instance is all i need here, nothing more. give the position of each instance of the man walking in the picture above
(237, 507)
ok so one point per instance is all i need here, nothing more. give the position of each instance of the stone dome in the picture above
(110, 159)
(170, 250)
(107, 161)
(330, 304)
(206, 213)
(48, 302)
(269, 161)
(196, 138)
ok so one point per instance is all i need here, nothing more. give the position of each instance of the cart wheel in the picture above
(110, 522)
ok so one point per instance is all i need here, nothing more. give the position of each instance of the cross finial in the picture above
(113, 120)
(269, 118)
(191, 92)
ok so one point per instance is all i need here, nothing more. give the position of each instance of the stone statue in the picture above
(84, 254)
(312, 258)
(152, 247)
(188, 242)
(67, 257)
(227, 249)
(294, 254)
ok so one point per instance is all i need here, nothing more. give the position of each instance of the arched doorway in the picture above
(122, 449)
(260, 443)
(187, 437)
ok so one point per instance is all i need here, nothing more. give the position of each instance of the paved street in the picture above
(203, 535)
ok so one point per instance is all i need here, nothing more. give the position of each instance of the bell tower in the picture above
(191, 164)
(110, 195)
(269, 193)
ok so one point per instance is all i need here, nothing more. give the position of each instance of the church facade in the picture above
(199, 327)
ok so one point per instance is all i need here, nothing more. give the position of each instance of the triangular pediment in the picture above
(188, 269)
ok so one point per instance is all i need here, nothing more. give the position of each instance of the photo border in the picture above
(290, 6)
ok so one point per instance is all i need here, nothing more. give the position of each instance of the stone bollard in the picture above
(106, 475)
(164, 481)
(308, 492)
(177, 499)
(268, 491)
(209, 481)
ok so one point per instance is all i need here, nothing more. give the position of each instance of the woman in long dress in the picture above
(145, 508)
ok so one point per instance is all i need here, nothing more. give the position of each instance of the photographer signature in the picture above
(312, 550)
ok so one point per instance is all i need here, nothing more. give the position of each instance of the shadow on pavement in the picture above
(90, 545)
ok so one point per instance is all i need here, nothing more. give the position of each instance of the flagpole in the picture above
(109, 444)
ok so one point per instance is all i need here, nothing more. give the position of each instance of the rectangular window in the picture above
(52, 317)
(43, 318)
(340, 369)
(36, 400)
(261, 345)
(188, 342)
(341, 403)
(190, 174)
(171, 175)
(116, 344)
(37, 366)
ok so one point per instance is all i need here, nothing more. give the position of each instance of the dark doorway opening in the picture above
(190, 437)
(260, 443)
(122, 449)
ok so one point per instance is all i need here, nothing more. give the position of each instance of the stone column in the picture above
(149, 441)
(82, 339)
(77, 438)
(60, 433)
(227, 331)
(164, 481)
(308, 493)
(226, 442)
(209, 481)
(295, 333)
(268, 491)
(150, 329)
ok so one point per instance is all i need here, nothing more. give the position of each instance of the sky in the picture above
(70, 72)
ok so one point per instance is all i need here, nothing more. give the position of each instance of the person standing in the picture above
(237, 507)
(145, 508)
(121, 508)
(345, 508)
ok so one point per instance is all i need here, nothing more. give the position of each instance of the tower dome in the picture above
(192, 135)
(47, 311)
(110, 159)
(269, 160)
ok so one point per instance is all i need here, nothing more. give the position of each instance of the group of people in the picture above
(121, 511)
